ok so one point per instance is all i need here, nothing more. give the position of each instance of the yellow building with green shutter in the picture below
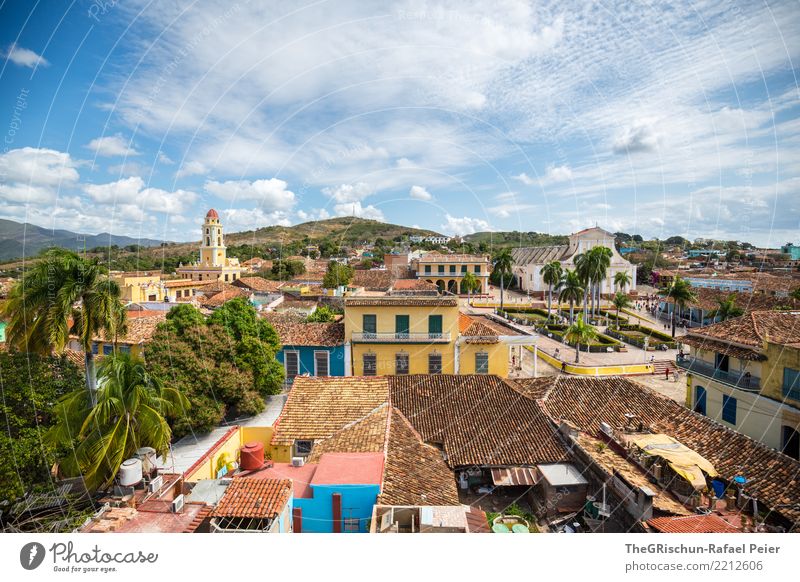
(401, 335)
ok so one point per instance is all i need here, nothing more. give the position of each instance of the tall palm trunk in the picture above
(502, 284)
(674, 312)
(572, 311)
(586, 301)
(577, 352)
(549, 300)
(91, 375)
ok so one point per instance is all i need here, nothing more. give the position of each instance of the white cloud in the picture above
(464, 225)
(112, 146)
(131, 193)
(356, 209)
(253, 218)
(164, 159)
(558, 173)
(525, 179)
(313, 214)
(125, 190)
(419, 193)
(39, 167)
(25, 57)
(348, 192)
(639, 136)
(192, 168)
(271, 193)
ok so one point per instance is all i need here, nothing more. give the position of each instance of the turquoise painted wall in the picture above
(357, 502)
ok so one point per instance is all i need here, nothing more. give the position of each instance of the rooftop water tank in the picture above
(252, 456)
(130, 472)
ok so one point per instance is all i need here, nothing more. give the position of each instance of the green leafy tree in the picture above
(240, 319)
(60, 289)
(620, 301)
(130, 412)
(322, 314)
(727, 308)
(572, 291)
(31, 386)
(680, 291)
(552, 275)
(336, 275)
(796, 294)
(185, 316)
(470, 283)
(283, 269)
(622, 280)
(580, 333)
(502, 264)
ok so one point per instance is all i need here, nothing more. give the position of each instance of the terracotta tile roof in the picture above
(707, 299)
(254, 498)
(773, 477)
(401, 301)
(693, 524)
(479, 419)
(258, 284)
(378, 280)
(319, 407)
(294, 331)
(185, 283)
(477, 330)
(414, 285)
(217, 287)
(612, 463)
(365, 435)
(218, 299)
(476, 520)
(533, 388)
(414, 473)
(749, 331)
(140, 329)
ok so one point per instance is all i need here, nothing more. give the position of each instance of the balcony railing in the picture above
(738, 380)
(401, 338)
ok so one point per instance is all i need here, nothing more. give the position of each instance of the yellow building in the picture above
(397, 335)
(401, 335)
(138, 287)
(447, 271)
(745, 373)
(214, 264)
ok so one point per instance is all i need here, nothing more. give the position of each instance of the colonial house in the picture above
(214, 264)
(529, 261)
(745, 373)
(312, 349)
(447, 271)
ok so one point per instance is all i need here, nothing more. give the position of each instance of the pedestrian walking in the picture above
(563, 367)
(666, 374)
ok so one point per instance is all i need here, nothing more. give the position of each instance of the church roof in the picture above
(212, 214)
(538, 255)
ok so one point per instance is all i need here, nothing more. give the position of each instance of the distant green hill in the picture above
(516, 239)
(22, 239)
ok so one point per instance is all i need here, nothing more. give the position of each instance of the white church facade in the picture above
(214, 264)
(529, 261)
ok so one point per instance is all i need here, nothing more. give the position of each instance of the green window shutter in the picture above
(435, 325)
(401, 324)
(370, 323)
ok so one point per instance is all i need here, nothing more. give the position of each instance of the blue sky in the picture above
(135, 117)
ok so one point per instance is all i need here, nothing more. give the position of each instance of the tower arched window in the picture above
(208, 241)
(219, 241)
(206, 231)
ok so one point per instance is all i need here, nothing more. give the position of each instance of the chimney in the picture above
(644, 503)
(336, 501)
(297, 519)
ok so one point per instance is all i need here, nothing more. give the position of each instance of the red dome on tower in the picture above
(212, 214)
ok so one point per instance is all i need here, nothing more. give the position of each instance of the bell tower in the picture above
(212, 245)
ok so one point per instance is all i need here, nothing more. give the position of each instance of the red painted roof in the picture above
(349, 469)
(212, 214)
(301, 476)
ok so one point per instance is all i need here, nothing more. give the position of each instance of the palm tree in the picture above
(601, 258)
(471, 283)
(584, 265)
(795, 294)
(572, 291)
(502, 264)
(129, 414)
(580, 333)
(64, 294)
(680, 291)
(620, 301)
(622, 280)
(727, 308)
(552, 275)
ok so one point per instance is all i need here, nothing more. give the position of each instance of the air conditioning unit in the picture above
(177, 504)
(298, 461)
(155, 484)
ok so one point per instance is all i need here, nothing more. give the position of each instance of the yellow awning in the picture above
(684, 461)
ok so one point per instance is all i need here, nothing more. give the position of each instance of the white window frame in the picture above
(477, 371)
(286, 362)
(327, 355)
